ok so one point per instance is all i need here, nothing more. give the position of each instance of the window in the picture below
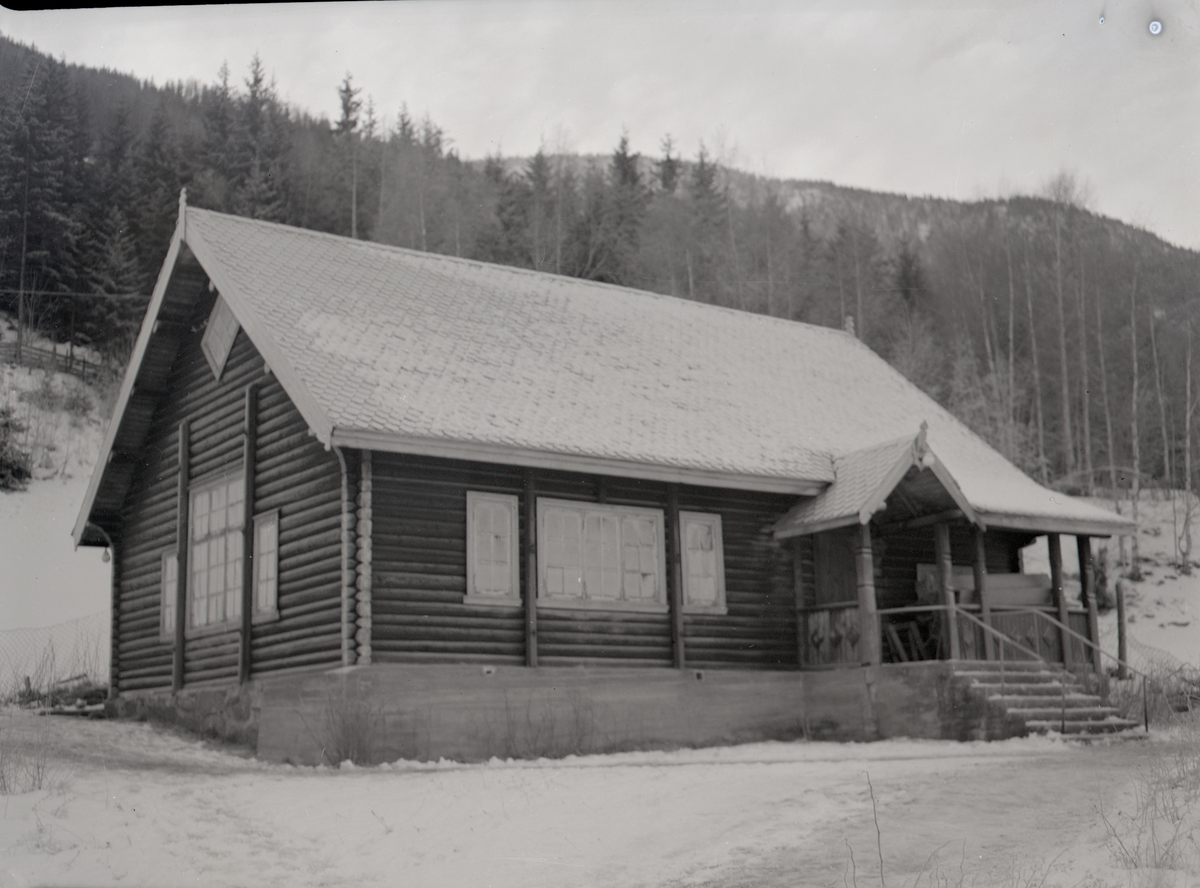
(492, 556)
(600, 556)
(266, 565)
(169, 590)
(215, 557)
(703, 562)
(218, 337)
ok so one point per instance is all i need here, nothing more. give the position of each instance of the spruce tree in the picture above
(157, 167)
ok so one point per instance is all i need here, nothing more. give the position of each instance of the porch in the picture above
(894, 564)
(949, 611)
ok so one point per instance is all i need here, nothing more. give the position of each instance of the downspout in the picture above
(348, 572)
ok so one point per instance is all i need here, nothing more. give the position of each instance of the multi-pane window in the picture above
(266, 564)
(492, 558)
(218, 336)
(600, 555)
(703, 562)
(215, 556)
(169, 590)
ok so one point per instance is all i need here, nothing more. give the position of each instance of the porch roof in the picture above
(903, 480)
(864, 481)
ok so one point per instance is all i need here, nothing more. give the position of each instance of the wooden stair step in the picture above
(1073, 714)
(1109, 725)
(1023, 677)
(1047, 701)
(995, 689)
(1008, 666)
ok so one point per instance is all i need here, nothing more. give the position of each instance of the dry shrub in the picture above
(25, 764)
(350, 725)
(1158, 835)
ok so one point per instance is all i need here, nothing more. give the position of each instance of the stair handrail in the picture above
(1087, 641)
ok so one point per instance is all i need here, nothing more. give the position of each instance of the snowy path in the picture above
(137, 806)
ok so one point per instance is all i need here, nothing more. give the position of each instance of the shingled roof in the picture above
(391, 349)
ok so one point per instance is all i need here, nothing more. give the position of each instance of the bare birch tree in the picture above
(1135, 568)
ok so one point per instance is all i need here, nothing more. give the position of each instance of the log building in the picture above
(484, 510)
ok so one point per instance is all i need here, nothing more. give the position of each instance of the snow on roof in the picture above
(395, 347)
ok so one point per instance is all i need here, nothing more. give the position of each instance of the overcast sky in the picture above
(954, 99)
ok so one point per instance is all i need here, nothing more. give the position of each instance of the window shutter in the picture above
(703, 560)
(219, 334)
(492, 561)
(266, 563)
(564, 555)
(493, 539)
(169, 588)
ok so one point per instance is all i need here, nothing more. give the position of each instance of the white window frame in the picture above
(219, 335)
(168, 594)
(230, 480)
(713, 522)
(476, 595)
(265, 611)
(659, 604)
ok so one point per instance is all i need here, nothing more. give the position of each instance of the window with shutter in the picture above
(493, 575)
(703, 562)
(600, 556)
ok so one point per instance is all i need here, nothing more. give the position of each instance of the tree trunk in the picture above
(858, 293)
(1065, 388)
(1162, 406)
(1135, 570)
(353, 186)
(21, 278)
(1185, 538)
(1011, 412)
(1085, 403)
(1037, 377)
(383, 152)
(1108, 428)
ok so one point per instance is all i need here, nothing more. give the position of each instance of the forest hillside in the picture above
(1063, 337)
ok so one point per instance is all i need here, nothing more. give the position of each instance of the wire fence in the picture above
(36, 662)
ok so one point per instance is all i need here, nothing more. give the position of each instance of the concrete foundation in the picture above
(471, 713)
(229, 713)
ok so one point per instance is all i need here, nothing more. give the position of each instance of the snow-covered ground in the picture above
(43, 579)
(129, 804)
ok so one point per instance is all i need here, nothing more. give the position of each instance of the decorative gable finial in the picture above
(921, 447)
(182, 223)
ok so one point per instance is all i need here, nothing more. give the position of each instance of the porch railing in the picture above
(830, 634)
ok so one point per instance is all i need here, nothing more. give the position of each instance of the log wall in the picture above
(419, 576)
(293, 473)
